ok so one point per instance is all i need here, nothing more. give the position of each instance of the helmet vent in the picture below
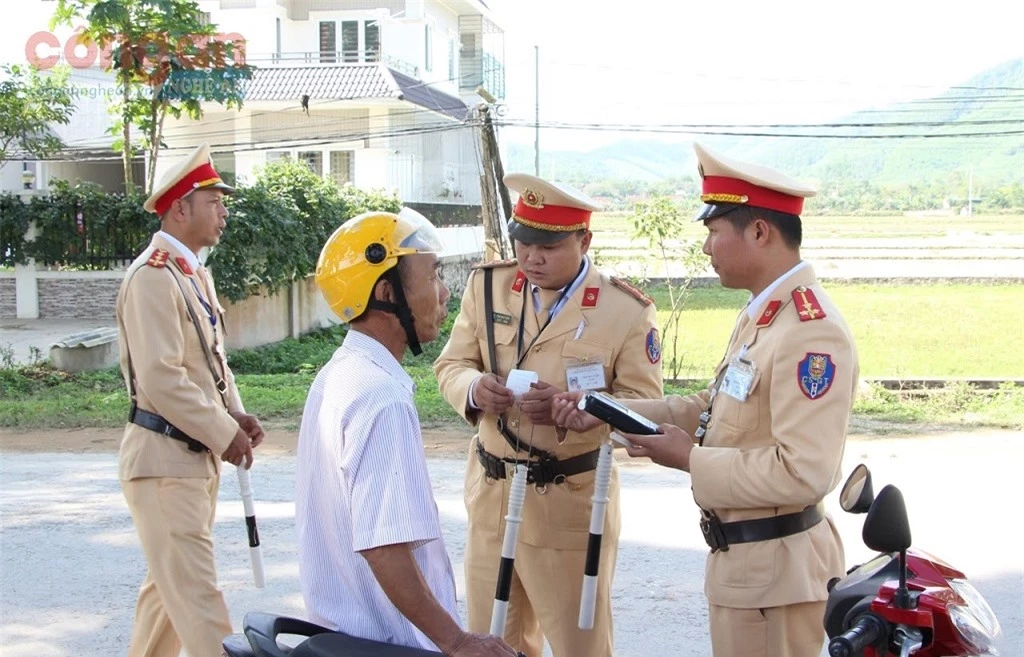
(376, 253)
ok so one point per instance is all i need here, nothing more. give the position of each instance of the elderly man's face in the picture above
(553, 266)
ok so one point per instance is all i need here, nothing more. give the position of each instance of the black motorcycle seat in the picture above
(236, 645)
(343, 645)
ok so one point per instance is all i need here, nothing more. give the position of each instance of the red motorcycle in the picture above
(904, 601)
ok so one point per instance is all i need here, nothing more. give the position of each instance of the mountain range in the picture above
(913, 152)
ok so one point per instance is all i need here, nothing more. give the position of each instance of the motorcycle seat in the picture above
(237, 645)
(343, 645)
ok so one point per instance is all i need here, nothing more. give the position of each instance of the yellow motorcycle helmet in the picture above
(363, 249)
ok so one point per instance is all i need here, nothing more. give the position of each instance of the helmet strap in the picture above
(400, 308)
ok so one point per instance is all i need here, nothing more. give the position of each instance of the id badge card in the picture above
(585, 376)
(738, 379)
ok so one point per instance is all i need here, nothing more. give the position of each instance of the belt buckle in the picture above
(168, 429)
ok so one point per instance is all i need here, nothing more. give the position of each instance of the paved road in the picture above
(71, 564)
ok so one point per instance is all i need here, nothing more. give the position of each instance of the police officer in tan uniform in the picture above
(771, 429)
(551, 313)
(186, 415)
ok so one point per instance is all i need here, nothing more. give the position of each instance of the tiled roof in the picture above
(349, 82)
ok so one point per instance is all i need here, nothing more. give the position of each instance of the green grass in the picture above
(925, 331)
(902, 331)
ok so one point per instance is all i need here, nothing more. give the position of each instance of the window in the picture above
(314, 160)
(371, 39)
(350, 41)
(278, 156)
(428, 60)
(328, 42)
(341, 167)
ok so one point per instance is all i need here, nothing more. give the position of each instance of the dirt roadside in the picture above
(442, 440)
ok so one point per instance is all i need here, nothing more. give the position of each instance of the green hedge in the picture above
(276, 228)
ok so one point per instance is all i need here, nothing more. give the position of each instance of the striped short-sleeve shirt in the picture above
(362, 482)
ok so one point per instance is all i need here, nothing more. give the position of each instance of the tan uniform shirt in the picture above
(778, 451)
(172, 377)
(618, 332)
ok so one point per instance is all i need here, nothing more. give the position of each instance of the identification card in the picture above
(738, 379)
(518, 381)
(586, 376)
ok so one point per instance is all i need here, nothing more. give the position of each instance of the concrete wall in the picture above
(8, 298)
(89, 295)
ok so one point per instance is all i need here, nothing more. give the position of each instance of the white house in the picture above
(378, 93)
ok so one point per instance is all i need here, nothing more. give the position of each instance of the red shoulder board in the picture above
(494, 263)
(807, 306)
(183, 266)
(158, 259)
(768, 316)
(517, 285)
(590, 295)
(631, 291)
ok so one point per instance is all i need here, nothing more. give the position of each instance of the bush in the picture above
(280, 223)
(13, 224)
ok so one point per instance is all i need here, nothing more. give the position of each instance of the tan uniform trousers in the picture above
(790, 631)
(179, 602)
(545, 597)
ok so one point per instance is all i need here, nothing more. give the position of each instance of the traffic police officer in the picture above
(771, 429)
(551, 313)
(186, 415)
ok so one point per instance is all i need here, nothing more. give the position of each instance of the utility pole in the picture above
(495, 204)
(536, 111)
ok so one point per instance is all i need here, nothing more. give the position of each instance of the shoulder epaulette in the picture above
(158, 259)
(807, 306)
(631, 291)
(495, 263)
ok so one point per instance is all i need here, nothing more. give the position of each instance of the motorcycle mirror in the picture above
(887, 529)
(857, 493)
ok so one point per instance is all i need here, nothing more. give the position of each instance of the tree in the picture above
(660, 221)
(29, 103)
(166, 61)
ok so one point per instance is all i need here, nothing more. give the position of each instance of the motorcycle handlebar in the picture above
(868, 630)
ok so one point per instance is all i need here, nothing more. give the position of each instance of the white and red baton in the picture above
(255, 552)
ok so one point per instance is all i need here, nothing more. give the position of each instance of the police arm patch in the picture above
(815, 374)
(653, 346)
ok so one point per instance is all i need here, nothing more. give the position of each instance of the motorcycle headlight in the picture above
(975, 620)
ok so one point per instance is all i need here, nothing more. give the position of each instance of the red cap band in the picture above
(557, 218)
(202, 176)
(760, 197)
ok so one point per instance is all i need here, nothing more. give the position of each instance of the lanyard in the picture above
(206, 306)
(520, 352)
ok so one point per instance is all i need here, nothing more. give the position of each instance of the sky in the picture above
(790, 61)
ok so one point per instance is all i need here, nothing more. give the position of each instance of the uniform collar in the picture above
(755, 303)
(379, 355)
(186, 253)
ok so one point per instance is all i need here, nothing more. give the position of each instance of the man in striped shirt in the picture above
(372, 561)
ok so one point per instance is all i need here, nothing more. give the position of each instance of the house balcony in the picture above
(334, 58)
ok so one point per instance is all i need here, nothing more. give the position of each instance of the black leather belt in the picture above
(720, 535)
(546, 470)
(154, 422)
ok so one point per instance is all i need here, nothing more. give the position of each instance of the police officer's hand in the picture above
(251, 425)
(566, 414)
(491, 395)
(481, 645)
(240, 450)
(671, 448)
(536, 403)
